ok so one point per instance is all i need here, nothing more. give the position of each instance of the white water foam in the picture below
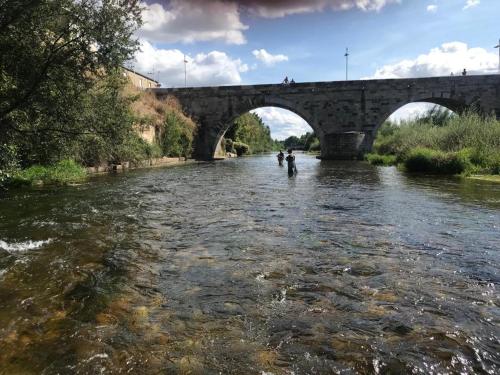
(23, 246)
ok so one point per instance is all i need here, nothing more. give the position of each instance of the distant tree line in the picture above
(306, 142)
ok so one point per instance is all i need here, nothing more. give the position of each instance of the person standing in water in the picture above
(290, 159)
(281, 157)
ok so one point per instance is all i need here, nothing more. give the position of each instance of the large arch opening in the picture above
(265, 129)
(411, 126)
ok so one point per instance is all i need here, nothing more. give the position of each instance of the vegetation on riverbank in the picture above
(307, 142)
(441, 144)
(249, 135)
(63, 172)
(63, 96)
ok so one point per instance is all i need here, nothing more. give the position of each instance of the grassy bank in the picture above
(171, 134)
(469, 144)
(61, 173)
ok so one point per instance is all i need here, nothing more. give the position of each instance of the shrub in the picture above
(229, 144)
(241, 148)
(435, 161)
(63, 172)
(469, 143)
(178, 134)
(377, 159)
(315, 145)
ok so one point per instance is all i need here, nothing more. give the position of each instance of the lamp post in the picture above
(185, 71)
(346, 63)
(498, 46)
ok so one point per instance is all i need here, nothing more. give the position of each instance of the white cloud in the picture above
(432, 8)
(191, 21)
(205, 69)
(282, 8)
(471, 4)
(267, 58)
(440, 61)
(410, 111)
(283, 123)
(449, 58)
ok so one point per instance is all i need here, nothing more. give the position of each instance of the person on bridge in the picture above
(281, 157)
(290, 159)
(285, 81)
(464, 73)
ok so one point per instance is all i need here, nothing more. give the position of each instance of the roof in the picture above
(140, 74)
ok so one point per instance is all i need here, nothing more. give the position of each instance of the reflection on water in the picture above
(232, 267)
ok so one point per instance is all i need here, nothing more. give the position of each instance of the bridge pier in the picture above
(345, 146)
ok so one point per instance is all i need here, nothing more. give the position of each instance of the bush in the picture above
(377, 159)
(469, 143)
(241, 148)
(435, 161)
(63, 172)
(9, 163)
(229, 144)
(315, 145)
(178, 135)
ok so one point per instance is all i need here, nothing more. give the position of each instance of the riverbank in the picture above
(466, 145)
(489, 178)
(68, 172)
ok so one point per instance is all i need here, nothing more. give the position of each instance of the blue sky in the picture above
(258, 41)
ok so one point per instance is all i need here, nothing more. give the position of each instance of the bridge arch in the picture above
(227, 122)
(455, 105)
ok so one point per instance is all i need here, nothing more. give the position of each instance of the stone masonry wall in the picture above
(345, 115)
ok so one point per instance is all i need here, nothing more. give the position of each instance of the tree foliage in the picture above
(307, 142)
(251, 130)
(59, 81)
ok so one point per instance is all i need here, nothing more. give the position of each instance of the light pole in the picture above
(498, 46)
(185, 71)
(346, 63)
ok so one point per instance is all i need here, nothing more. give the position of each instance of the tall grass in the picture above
(471, 141)
(63, 172)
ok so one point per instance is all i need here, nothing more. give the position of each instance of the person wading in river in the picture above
(290, 159)
(281, 157)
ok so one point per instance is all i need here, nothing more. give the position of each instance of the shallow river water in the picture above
(233, 268)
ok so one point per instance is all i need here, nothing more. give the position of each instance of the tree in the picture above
(52, 52)
(251, 130)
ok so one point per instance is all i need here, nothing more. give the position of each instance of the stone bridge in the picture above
(345, 114)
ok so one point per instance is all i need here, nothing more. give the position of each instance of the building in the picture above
(139, 80)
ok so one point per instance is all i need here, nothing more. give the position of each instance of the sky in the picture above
(238, 42)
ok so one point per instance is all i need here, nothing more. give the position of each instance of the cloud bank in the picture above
(189, 21)
(205, 69)
(283, 123)
(449, 58)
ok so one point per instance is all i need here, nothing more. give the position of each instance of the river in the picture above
(234, 268)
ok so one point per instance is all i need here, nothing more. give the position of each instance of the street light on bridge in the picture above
(498, 46)
(346, 63)
(185, 71)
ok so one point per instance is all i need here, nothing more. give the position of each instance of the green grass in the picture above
(467, 144)
(61, 173)
(488, 178)
(377, 159)
(435, 161)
